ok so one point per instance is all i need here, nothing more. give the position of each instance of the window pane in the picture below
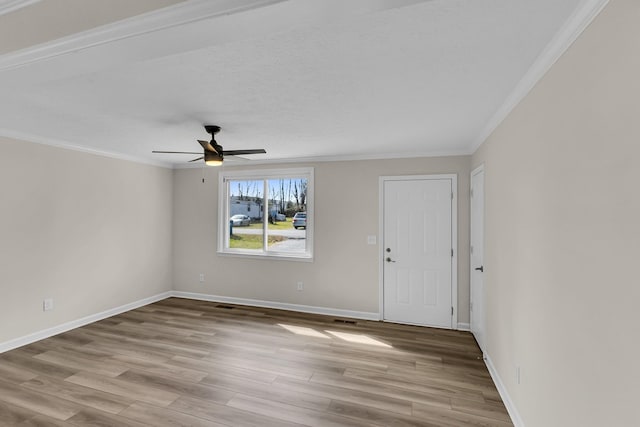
(246, 214)
(287, 230)
(266, 212)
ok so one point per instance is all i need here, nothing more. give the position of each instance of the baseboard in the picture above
(46, 333)
(279, 305)
(464, 326)
(508, 403)
(49, 332)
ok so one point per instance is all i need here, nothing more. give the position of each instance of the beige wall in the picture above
(91, 232)
(563, 234)
(95, 233)
(344, 273)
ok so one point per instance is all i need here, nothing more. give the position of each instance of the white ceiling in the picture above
(304, 79)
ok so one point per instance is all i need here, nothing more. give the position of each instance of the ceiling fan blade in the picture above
(176, 152)
(240, 152)
(195, 160)
(237, 158)
(207, 146)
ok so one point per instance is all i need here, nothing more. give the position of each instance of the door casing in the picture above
(476, 280)
(454, 238)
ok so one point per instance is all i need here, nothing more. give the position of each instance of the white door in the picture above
(418, 251)
(477, 256)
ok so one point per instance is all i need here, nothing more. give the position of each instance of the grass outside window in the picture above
(261, 196)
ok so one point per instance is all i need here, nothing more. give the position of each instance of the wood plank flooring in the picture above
(181, 362)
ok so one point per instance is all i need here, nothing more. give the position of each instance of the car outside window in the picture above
(266, 213)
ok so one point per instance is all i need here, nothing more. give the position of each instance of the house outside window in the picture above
(279, 207)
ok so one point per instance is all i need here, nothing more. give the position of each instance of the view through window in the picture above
(267, 213)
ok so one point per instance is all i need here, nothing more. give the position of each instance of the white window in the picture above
(266, 213)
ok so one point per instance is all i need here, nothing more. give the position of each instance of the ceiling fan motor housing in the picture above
(213, 152)
(212, 158)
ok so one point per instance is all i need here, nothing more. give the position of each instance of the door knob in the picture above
(390, 260)
(480, 269)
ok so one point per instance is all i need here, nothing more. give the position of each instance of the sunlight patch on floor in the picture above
(358, 339)
(345, 336)
(300, 330)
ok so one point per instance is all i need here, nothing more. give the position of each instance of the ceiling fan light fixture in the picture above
(212, 159)
(213, 152)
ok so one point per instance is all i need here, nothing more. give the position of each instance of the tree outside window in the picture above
(278, 205)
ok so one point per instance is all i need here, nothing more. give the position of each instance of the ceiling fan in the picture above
(213, 153)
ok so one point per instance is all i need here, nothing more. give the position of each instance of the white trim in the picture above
(279, 305)
(69, 146)
(345, 158)
(172, 16)
(454, 238)
(7, 6)
(271, 256)
(478, 169)
(454, 247)
(264, 174)
(462, 326)
(227, 165)
(49, 332)
(381, 242)
(502, 390)
(473, 173)
(563, 39)
(55, 330)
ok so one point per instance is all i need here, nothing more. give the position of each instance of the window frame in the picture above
(225, 176)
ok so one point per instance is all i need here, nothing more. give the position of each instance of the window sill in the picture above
(267, 256)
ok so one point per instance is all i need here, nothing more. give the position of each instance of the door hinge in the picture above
(452, 311)
(472, 192)
(471, 306)
(471, 249)
(452, 195)
(451, 252)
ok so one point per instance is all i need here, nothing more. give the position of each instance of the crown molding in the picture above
(321, 159)
(19, 136)
(563, 39)
(194, 12)
(172, 16)
(7, 6)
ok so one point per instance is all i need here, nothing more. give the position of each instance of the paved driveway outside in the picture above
(293, 233)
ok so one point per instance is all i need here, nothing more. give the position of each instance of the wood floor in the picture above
(180, 362)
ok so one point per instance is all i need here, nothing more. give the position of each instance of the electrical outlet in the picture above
(47, 304)
(300, 286)
(201, 277)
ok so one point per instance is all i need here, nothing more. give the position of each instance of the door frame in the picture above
(454, 238)
(474, 172)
